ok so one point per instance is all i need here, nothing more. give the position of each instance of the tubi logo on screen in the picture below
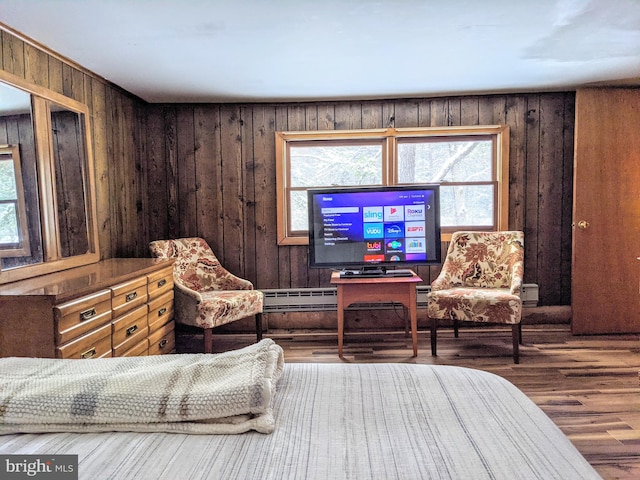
(374, 246)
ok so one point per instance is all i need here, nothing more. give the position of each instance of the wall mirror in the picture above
(70, 160)
(47, 191)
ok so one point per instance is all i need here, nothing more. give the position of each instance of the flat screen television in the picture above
(374, 231)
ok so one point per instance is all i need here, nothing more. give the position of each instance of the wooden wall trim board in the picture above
(209, 169)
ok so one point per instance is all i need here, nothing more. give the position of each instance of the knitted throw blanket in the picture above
(187, 393)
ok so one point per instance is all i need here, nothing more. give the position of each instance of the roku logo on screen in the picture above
(414, 212)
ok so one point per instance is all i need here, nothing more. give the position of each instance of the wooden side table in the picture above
(376, 290)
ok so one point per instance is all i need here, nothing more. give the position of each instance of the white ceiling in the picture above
(297, 50)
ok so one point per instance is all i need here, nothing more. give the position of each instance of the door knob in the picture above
(583, 224)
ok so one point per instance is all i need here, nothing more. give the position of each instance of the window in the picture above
(469, 163)
(14, 238)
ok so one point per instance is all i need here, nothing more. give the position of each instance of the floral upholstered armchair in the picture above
(480, 281)
(206, 294)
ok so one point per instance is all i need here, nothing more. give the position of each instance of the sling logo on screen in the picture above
(372, 214)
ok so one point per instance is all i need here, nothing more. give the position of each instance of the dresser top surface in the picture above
(75, 282)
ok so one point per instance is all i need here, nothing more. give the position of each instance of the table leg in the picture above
(414, 329)
(406, 320)
(340, 321)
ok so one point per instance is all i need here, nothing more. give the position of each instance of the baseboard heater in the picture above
(325, 299)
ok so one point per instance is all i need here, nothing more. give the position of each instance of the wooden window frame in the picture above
(389, 138)
(22, 248)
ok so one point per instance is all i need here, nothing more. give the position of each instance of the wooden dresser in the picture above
(116, 307)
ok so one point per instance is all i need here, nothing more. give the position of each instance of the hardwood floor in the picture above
(588, 385)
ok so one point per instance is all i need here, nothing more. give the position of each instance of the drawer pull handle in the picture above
(162, 282)
(89, 353)
(163, 343)
(131, 296)
(162, 311)
(131, 329)
(87, 314)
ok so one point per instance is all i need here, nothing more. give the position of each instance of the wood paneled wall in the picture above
(211, 173)
(209, 170)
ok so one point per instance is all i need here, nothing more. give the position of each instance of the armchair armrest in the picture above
(516, 282)
(213, 276)
(446, 279)
(187, 292)
(440, 283)
(228, 281)
(517, 275)
(186, 303)
(238, 283)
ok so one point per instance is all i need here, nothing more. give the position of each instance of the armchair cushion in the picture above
(220, 307)
(490, 305)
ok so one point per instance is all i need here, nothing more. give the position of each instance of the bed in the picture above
(347, 421)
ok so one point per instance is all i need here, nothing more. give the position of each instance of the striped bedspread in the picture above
(225, 393)
(349, 421)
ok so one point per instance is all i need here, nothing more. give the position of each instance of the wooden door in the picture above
(606, 212)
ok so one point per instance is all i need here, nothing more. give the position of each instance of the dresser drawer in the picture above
(139, 350)
(79, 316)
(160, 310)
(160, 282)
(92, 345)
(128, 295)
(162, 340)
(129, 329)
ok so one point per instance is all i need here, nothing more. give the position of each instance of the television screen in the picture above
(366, 227)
